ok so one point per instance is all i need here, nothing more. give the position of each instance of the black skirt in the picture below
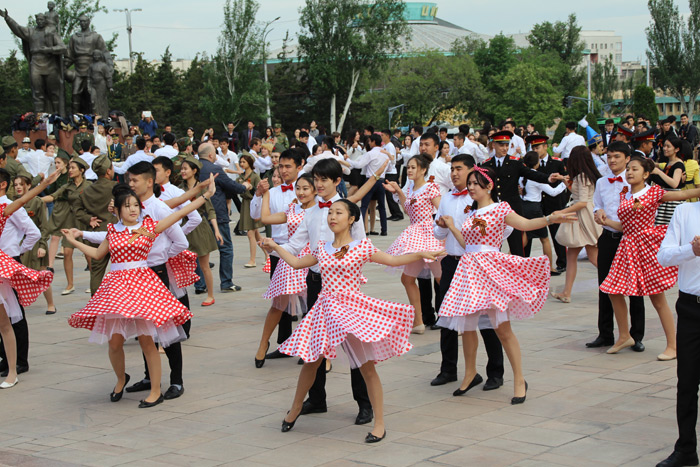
(356, 178)
(533, 210)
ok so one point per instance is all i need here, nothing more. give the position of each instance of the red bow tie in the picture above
(616, 179)
(461, 193)
(327, 204)
(287, 187)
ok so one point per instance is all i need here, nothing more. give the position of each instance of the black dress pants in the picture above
(284, 328)
(607, 247)
(21, 330)
(688, 347)
(317, 393)
(426, 287)
(394, 208)
(449, 339)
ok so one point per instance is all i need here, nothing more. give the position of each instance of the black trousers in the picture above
(449, 339)
(607, 247)
(173, 351)
(21, 330)
(688, 348)
(284, 328)
(426, 287)
(317, 393)
(394, 208)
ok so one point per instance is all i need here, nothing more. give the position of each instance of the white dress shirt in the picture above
(568, 143)
(18, 226)
(391, 149)
(607, 197)
(370, 162)
(469, 148)
(135, 158)
(167, 151)
(101, 142)
(454, 206)
(170, 191)
(29, 160)
(279, 202)
(676, 249)
(601, 163)
(415, 147)
(262, 164)
(89, 173)
(441, 173)
(355, 153)
(311, 161)
(311, 143)
(515, 143)
(314, 228)
(169, 243)
(406, 155)
(533, 190)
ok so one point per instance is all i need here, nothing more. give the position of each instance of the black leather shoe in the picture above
(211, 265)
(117, 396)
(145, 405)
(478, 379)
(260, 363)
(370, 438)
(173, 392)
(276, 354)
(372, 232)
(383, 234)
(600, 342)
(300, 361)
(441, 379)
(554, 273)
(560, 269)
(493, 383)
(200, 291)
(637, 347)
(519, 400)
(678, 459)
(20, 369)
(286, 426)
(435, 327)
(139, 386)
(308, 408)
(364, 416)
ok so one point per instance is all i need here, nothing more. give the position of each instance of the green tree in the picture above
(15, 92)
(604, 81)
(232, 79)
(529, 97)
(644, 103)
(674, 51)
(341, 39)
(290, 100)
(495, 59)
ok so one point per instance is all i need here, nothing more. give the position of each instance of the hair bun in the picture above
(121, 189)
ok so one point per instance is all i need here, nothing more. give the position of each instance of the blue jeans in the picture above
(225, 256)
(200, 284)
(379, 193)
(342, 189)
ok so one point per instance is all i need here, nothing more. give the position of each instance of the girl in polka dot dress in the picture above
(27, 283)
(490, 288)
(131, 300)
(368, 329)
(287, 288)
(635, 271)
(419, 200)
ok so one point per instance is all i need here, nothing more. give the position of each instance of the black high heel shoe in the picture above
(286, 426)
(260, 363)
(478, 379)
(370, 438)
(117, 396)
(519, 400)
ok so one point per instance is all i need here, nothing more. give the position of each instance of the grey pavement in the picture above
(584, 407)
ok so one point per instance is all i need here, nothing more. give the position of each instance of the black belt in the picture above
(315, 276)
(457, 257)
(688, 297)
(612, 234)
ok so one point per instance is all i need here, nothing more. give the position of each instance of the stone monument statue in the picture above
(43, 49)
(52, 18)
(81, 47)
(99, 83)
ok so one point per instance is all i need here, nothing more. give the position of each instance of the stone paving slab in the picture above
(584, 407)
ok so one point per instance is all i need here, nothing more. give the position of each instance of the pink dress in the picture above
(487, 282)
(635, 270)
(28, 283)
(418, 236)
(369, 329)
(131, 299)
(287, 282)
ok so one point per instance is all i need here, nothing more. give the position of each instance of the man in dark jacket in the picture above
(225, 189)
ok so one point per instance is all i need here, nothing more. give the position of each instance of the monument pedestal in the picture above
(65, 138)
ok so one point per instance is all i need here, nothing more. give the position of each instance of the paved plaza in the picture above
(584, 407)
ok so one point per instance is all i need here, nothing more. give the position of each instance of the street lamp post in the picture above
(264, 57)
(128, 30)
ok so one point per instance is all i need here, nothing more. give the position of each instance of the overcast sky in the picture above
(191, 26)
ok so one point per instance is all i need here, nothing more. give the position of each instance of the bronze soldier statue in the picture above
(80, 54)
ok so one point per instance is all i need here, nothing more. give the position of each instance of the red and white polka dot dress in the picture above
(376, 329)
(287, 281)
(487, 282)
(635, 270)
(131, 299)
(28, 283)
(183, 267)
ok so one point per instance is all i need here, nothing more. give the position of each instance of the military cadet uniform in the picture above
(80, 137)
(94, 202)
(114, 151)
(64, 214)
(508, 173)
(282, 141)
(551, 204)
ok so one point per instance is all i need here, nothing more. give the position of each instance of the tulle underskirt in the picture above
(9, 300)
(109, 324)
(294, 304)
(486, 319)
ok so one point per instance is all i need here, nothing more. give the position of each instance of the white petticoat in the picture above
(294, 304)
(358, 353)
(108, 325)
(486, 319)
(9, 300)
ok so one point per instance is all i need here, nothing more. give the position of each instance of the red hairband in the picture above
(484, 173)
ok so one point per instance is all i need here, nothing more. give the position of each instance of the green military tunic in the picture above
(64, 212)
(175, 178)
(80, 137)
(36, 209)
(282, 143)
(15, 169)
(202, 240)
